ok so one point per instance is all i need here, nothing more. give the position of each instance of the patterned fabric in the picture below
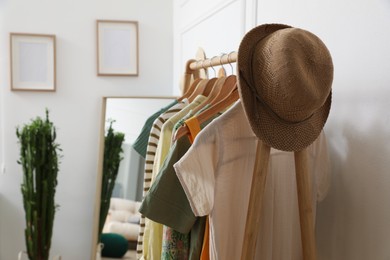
(154, 136)
(175, 245)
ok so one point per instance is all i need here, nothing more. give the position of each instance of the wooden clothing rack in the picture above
(259, 179)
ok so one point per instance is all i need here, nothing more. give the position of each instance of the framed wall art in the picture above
(33, 62)
(117, 48)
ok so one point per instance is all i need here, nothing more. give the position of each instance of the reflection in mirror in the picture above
(129, 116)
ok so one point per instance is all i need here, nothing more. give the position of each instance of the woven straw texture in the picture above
(285, 76)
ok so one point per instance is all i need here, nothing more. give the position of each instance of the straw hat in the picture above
(284, 77)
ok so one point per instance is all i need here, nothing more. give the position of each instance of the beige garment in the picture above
(216, 175)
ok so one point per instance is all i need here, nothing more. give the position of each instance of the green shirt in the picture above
(141, 142)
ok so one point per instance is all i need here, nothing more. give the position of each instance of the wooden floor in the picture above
(130, 255)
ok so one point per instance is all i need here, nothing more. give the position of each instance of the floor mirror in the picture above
(128, 115)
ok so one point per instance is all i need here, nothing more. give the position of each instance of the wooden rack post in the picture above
(255, 203)
(253, 216)
(259, 179)
(305, 205)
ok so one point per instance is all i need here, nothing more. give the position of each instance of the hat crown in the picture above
(292, 73)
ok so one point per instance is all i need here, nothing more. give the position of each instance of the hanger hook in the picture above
(228, 58)
(215, 74)
(203, 64)
(220, 59)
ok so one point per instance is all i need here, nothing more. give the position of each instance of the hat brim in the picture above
(271, 130)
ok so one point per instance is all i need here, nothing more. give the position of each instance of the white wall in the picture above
(353, 221)
(1, 125)
(75, 106)
(215, 25)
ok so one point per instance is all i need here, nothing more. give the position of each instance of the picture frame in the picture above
(117, 48)
(32, 62)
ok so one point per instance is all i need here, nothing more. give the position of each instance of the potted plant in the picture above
(111, 160)
(39, 160)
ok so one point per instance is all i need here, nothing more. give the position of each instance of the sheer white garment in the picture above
(216, 175)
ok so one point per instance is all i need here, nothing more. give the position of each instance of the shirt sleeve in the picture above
(197, 169)
(166, 201)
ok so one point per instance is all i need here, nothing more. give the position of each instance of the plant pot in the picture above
(21, 253)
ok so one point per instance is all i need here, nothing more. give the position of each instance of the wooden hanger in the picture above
(206, 115)
(198, 90)
(225, 90)
(190, 90)
(209, 87)
(218, 107)
(220, 90)
(193, 77)
(212, 95)
(221, 72)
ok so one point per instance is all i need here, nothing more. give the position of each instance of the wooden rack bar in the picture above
(214, 61)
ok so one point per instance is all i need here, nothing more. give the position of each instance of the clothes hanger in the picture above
(226, 97)
(198, 89)
(221, 71)
(192, 87)
(202, 86)
(228, 86)
(212, 95)
(190, 90)
(207, 114)
(209, 87)
(216, 89)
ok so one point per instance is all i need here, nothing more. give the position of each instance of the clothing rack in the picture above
(259, 179)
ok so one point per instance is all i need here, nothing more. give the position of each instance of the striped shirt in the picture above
(151, 148)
